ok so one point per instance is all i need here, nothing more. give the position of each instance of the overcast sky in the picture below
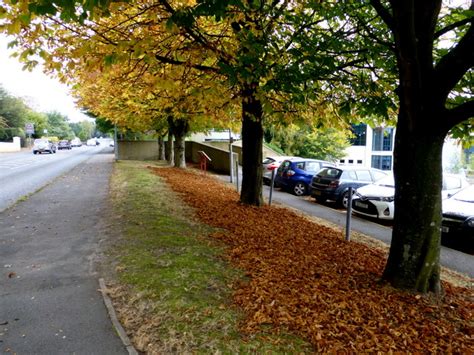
(41, 92)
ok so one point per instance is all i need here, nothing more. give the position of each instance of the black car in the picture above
(64, 144)
(333, 183)
(295, 174)
(457, 226)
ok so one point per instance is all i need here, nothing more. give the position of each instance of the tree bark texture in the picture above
(180, 128)
(169, 148)
(413, 262)
(252, 140)
(161, 148)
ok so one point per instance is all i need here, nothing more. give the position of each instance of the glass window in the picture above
(313, 166)
(363, 175)
(330, 172)
(382, 162)
(300, 165)
(342, 161)
(377, 175)
(382, 139)
(351, 161)
(359, 161)
(360, 132)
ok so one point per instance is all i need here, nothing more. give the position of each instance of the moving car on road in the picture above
(76, 142)
(64, 144)
(42, 145)
(334, 183)
(377, 200)
(295, 174)
(457, 226)
(91, 142)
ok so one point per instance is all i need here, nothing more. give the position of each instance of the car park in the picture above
(377, 200)
(457, 225)
(270, 164)
(333, 183)
(42, 145)
(64, 144)
(295, 174)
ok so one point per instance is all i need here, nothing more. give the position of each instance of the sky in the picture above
(41, 92)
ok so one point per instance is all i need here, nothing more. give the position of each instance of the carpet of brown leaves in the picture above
(303, 277)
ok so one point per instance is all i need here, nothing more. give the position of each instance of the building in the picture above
(371, 147)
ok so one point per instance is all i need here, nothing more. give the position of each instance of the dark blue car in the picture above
(295, 175)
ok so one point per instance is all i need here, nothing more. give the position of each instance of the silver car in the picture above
(42, 145)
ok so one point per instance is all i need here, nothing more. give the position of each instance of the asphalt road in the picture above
(49, 245)
(450, 258)
(24, 173)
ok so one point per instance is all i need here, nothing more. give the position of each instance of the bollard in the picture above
(349, 215)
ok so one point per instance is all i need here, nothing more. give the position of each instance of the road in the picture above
(450, 258)
(24, 173)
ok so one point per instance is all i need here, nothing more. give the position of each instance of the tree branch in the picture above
(453, 26)
(167, 60)
(454, 65)
(383, 13)
(460, 113)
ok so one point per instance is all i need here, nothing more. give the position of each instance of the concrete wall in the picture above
(138, 150)
(219, 157)
(14, 146)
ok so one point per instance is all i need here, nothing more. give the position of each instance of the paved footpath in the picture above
(49, 298)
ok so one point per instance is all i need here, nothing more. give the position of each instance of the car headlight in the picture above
(388, 199)
(469, 222)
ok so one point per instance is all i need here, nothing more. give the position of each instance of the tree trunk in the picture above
(252, 140)
(169, 148)
(413, 262)
(180, 129)
(161, 148)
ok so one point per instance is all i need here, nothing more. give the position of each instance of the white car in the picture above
(91, 142)
(377, 200)
(42, 145)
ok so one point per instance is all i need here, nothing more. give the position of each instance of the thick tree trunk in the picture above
(180, 129)
(413, 262)
(161, 148)
(252, 140)
(169, 148)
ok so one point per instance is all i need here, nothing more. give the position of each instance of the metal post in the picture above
(237, 175)
(231, 164)
(349, 215)
(115, 142)
(272, 182)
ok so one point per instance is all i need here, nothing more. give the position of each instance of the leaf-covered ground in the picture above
(303, 277)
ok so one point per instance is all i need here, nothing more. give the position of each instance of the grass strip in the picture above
(173, 287)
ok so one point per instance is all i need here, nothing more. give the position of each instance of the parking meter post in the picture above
(349, 215)
(272, 182)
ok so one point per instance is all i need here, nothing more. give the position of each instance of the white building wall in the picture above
(14, 146)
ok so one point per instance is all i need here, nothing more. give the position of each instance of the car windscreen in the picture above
(332, 173)
(268, 160)
(466, 195)
(37, 141)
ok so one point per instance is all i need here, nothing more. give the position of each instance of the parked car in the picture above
(64, 144)
(42, 145)
(295, 174)
(333, 183)
(270, 164)
(457, 226)
(377, 200)
(76, 142)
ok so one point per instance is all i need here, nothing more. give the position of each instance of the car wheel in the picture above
(300, 189)
(35, 152)
(344, 200)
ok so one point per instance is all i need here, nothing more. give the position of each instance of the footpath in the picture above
(50, 302)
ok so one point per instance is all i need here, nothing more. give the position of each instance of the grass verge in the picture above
(171, 284)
